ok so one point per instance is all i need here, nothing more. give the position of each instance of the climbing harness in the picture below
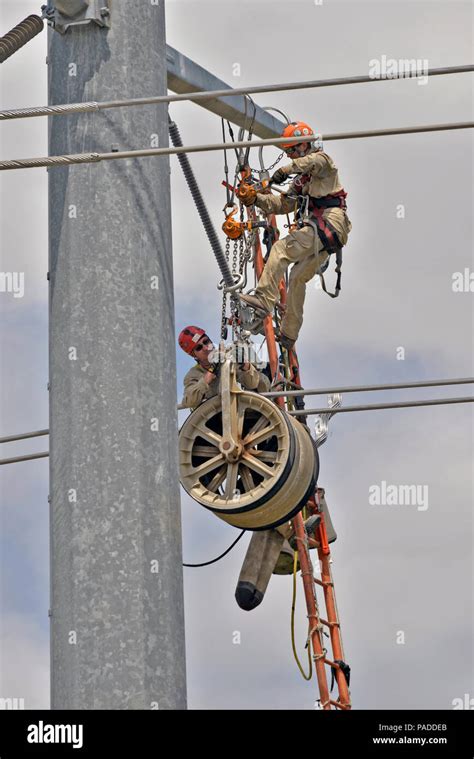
(310, 212)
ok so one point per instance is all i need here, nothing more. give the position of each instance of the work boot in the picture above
(286, 342)
(256, 304)
(310, 527)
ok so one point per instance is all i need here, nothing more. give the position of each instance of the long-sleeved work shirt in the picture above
(196, 389)
(323, 180)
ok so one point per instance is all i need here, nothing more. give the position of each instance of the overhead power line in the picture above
(28, 457)
(377, 406)
(23, 436)
(62, 110)
(303, 391)
(301, 412)
(367, 388)
(80, 158)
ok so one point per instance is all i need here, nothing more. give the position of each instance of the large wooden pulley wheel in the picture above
(247, 460)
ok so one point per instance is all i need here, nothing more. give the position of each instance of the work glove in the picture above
(278, 177)
(248, 200)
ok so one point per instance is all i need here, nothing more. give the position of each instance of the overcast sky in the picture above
(396, 568)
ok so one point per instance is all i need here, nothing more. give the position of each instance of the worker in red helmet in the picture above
(202, 381)
(317, 197)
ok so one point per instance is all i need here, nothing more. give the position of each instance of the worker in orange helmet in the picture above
(317, 197)
(202, 380)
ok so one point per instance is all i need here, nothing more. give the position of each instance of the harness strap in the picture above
(326, 232)
(339, 276)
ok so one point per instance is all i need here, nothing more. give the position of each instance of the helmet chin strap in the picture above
(303, 151)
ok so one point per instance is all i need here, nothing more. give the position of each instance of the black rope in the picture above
(213, 561)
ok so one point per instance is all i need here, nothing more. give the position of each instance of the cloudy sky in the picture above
(396, 568)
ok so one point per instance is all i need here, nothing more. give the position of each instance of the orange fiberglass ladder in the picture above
(316, 623)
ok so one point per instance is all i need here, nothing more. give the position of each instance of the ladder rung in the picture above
(329, 624)
(323, 584)
(331, 663)
(339, 705)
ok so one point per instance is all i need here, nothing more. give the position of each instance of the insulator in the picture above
(19, 36)
(200, 205)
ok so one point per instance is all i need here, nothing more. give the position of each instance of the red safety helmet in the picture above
(295, 129)
(189, 338)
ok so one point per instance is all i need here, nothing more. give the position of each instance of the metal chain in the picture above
(224, 316)
(247, 252)
(224, 295)
(235, 254)
(258, 171)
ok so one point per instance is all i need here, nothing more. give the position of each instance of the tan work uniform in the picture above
(196, 389)
(302, 247)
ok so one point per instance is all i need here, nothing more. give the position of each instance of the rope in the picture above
(66, 160)
(60, 110)
(213, 561)
(293, 645)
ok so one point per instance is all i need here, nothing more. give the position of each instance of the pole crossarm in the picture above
(61, 110)
(186, 76)
(378, 406)
(78, 158)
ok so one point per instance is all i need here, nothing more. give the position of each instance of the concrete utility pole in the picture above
(116, 576)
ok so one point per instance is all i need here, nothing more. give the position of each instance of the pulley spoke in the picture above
(247, 478)
(209, 435)
(260, 436)
(257, 426)
(263, 455)
(218, 479)
(205, 451)
(208, 466)
(258, 466)
(232, 472)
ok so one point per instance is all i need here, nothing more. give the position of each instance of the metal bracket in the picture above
(321, 427)
(229, 390)
(62, 14)
(250, 321)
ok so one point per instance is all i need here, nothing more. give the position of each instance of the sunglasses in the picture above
(199, 347)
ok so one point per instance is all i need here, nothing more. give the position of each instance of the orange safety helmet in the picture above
(295, 129)
(189, 338)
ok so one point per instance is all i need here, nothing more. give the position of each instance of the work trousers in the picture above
(303, 248)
